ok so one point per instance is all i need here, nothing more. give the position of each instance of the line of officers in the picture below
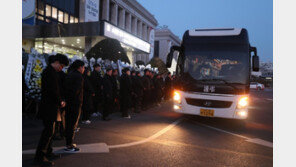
(82, 92)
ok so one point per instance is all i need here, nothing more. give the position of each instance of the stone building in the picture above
(164, 39)
(74, 26)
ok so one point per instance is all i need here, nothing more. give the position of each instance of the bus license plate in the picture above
(206, 112)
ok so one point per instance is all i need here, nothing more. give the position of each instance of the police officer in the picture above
(138, 91)
(97, 83)
(107, 94)
(146, 85)
(125, 92)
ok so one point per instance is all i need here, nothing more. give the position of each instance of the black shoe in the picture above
(52, 156)
(43, 162)
(71, 149)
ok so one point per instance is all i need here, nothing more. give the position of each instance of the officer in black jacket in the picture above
(74, 98)
(125, 92)
(51, 101)
(138, 89)
(97, 83)
(88, 94)
(146, 84)
(107, 94)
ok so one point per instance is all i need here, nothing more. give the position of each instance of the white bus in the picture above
(213, 73)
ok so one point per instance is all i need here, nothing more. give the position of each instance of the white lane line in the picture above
(84, 148)
(225, 131)
(104, 148)
(255, 140)
(149, 138)
(261, 142)
(270, 99)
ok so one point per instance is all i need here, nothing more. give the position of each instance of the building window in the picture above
(76, 20)
(66, 18)
(40, 7)
(156, 48)
(61, 16)
(48, 10)
(54, 13)
(71, 19)
(40, 17)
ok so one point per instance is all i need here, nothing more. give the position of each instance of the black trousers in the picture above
(46, 138)
(145, 101)
(71, 118)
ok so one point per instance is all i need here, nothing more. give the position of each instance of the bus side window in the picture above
(180, 64)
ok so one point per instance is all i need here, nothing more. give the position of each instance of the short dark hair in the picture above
(76, 64)
(133, 72)
(146, 71)
(137, 73)
(62, 59)
(97, 65)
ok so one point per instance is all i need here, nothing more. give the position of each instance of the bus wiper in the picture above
(227, 83)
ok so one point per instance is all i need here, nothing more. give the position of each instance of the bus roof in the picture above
(215, 32)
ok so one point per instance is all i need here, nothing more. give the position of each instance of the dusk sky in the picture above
(254, 15)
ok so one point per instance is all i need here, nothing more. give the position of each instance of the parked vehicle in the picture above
(257, 86)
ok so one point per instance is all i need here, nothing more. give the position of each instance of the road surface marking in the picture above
(255, 140)
(84, 148)
(261, 142)
(156, 135)
(270, 99)
(104, 148)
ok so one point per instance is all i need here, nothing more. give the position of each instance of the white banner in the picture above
(151, 40)
(91, 10)
(29, 68)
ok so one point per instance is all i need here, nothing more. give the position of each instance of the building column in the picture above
(114, 14)
(121, 18)
(134, 25)
(139, 31)
(106, 8)
(128, 22)
(87, 44)
(144, 34)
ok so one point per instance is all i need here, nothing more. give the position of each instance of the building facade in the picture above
(74, 26)
(164, 39)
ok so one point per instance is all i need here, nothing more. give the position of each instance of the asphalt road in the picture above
(160, 137)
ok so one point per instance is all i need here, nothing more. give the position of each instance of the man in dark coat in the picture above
(74, 98)
(125, 92)
(97, 83)
(146, 84)
(115, 88)
(107, 94)
(88, 94)
(168, 86)
(157, 84)
(138, 89)
(51, 101)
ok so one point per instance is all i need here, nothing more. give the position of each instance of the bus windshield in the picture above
(226, 65)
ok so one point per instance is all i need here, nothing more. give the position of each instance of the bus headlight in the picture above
(242, 113)
(177, 97)
(243, 102)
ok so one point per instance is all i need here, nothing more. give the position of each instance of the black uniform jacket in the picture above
(74, 83)
(50, 94)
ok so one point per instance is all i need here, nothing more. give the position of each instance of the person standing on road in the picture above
(157, 83)
(74, 98)
(138, 90)
(146, 84)
(107, 94)
(97, 83)
(125, 92)
(88, 94)
(51, 101)
(168, 86)
(115, 88)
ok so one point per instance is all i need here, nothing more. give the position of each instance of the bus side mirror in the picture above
(255, 64)
(255, 59)
(171, 55)
(169, 59)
